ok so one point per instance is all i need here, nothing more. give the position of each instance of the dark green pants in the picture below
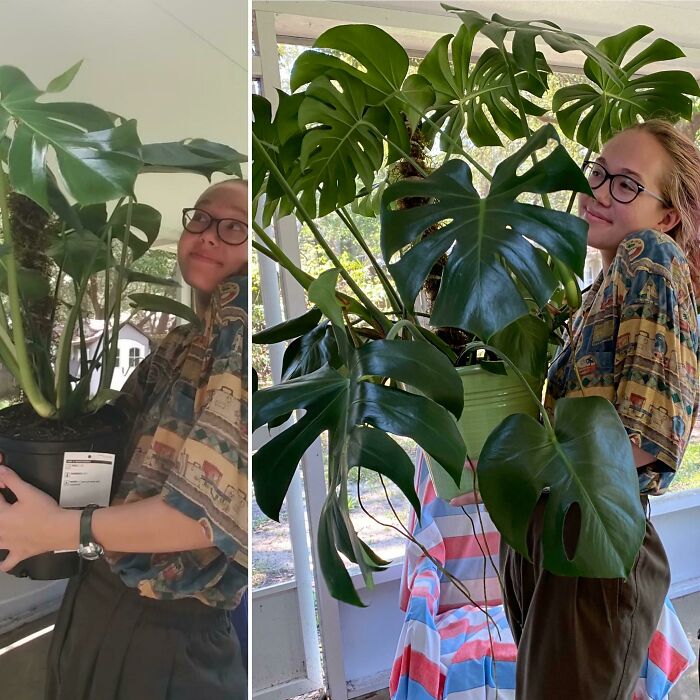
(110, 643)
(579, 638)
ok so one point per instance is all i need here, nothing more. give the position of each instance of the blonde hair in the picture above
(681, 189)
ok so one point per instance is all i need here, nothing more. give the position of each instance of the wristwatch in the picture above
(88, 548)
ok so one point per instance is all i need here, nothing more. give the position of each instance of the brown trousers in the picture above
(581, 638)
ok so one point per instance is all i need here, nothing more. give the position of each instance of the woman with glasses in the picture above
(148, 616)
(588, 638)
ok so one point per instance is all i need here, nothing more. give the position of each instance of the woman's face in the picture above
(639, 155)
(205, 260)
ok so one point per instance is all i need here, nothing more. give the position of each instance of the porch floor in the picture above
(22, 668)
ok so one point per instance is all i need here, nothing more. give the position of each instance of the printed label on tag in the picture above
(87, 478)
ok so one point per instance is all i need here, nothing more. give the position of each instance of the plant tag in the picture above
(87, 478)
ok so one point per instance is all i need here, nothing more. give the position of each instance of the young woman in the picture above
(150, 619)
(637, 337)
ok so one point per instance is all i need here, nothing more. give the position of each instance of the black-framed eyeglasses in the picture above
(623, 188)
(229, 231)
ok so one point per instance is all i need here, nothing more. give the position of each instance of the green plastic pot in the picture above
(489, 398)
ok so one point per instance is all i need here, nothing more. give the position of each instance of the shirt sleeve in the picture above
(655, 368)
(210, 480)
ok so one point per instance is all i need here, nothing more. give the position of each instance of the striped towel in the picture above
(452, 650)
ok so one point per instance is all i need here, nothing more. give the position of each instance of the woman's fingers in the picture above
(9, 563)
(466, 499)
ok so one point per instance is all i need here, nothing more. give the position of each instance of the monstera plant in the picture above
(69, 214)
(353, 138)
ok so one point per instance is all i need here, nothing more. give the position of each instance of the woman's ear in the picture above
(670, 220)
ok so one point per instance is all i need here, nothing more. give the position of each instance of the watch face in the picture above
(90, 551)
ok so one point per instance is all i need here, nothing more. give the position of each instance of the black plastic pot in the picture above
(40, 463)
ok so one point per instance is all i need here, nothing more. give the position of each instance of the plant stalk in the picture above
(39, 403)
(392, 294)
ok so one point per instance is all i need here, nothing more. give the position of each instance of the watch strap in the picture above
(86, 536)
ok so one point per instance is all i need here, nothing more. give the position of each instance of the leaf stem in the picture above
(24, 366)
(392, 294)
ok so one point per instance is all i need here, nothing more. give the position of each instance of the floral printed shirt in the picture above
(635, 343)
(189, 445)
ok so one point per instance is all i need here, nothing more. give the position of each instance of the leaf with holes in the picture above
(493, 237)
(468, 95)
(587, 460)
(591, 114)
(97, 158)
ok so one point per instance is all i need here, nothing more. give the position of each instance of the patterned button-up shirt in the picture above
(189, 445)
(635, 343)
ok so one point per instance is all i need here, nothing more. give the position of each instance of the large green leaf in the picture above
(470, 96)
(524, 35)
(97, 159)
(192, 156)
(345, 144)
(588, 461)
(281, 140)
(344, 403)
(384, 69)
(591, 114)
(493, 237)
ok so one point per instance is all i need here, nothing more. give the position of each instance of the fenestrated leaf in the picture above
(468, 96)
(324, 396)
(493, 237)
(591, 114)
(345, 145)
(340, 404)
(524, 35)
(289, 329)
(192, 156)
(98, 160)
(145, 225)
(384, 69)
(281, 140)
(374, 449)
(160, 304)
(588, 461)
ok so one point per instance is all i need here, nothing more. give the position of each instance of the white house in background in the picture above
(132, 347)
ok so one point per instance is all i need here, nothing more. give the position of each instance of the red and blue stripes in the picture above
(449, 648)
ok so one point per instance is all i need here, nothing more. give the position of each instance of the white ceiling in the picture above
(179, 67)
(417, 23)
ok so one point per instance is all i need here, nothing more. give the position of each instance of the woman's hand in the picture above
(34, 524)
(466, 499)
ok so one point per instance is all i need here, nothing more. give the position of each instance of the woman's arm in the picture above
(35, 524)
